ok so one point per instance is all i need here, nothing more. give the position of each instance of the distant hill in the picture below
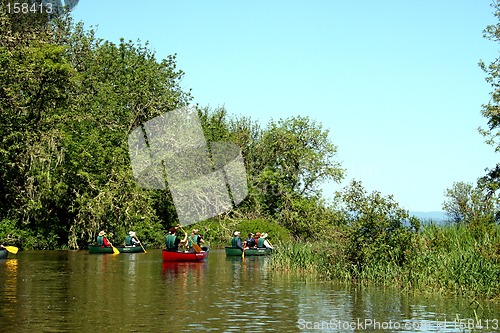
(438, 216)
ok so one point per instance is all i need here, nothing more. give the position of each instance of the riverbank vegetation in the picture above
(379, 245)
(443, 259)
(68, 101)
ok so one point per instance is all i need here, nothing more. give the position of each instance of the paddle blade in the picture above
(140, 243)
(197, 248)
(115, 250)
(11, 249)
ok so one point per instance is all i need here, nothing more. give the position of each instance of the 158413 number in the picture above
(29, 8)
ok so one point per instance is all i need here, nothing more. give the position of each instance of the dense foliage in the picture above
(377, 230)
(68, 102)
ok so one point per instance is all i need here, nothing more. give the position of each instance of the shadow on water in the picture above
(73, 291)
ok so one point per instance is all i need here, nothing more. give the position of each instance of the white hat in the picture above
(236, 233)
(131, 233)
(264, 235)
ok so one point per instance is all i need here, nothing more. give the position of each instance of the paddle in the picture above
(141, 245)
(180, 227)
(11, 249)
(270, 243)
(243, 252)
(115, 250)
(185, 233)
(197, 248)
(104, 241)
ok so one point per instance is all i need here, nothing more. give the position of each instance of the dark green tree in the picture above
(35, 84)
(491, 110)
(68, 101)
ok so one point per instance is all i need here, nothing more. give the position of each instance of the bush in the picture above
(11, 234)
(377, 232)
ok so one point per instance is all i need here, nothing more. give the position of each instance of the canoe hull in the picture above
(184, 256)
(234, 252)
(122, 249)
(3, 254)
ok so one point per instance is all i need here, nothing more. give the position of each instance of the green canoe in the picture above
(3, 253)
(122, 249)
(234, 251)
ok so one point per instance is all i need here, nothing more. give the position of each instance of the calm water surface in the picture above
(73, 291)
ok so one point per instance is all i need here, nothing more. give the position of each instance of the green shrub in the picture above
(377, 233)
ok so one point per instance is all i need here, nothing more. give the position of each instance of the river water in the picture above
(73, 291)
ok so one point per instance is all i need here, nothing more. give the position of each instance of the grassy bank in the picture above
(447, 259)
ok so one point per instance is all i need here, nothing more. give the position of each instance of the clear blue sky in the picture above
(395, 82)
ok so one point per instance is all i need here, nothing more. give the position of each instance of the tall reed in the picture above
(447, 259)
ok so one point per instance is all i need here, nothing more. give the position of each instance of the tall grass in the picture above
(446, 259)
(296, 257)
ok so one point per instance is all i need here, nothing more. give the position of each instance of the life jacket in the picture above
(193, 240)
(100, 240)
(128, 241)
(261, 241)
(170, 242)
(250, 242)
(234, 241)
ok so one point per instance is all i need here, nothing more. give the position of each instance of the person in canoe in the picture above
(131, 239)
(102, 240)
(262, 242)
(265, 242)
(256, 238)
(195, 238)
(249, 242)
(172, 241)
(236, 241)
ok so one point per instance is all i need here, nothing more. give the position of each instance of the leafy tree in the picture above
(35, 81)
(68, 102)
(379, 230)
(285, 162)
(214, 124)
(470, 205)
(121, 86)
(491, 110)
(298, 154)
(291, 158)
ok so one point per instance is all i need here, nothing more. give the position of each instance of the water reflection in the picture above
(356, 309)
(8, 291)
(72, 291)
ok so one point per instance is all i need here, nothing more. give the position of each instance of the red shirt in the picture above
(106, 242)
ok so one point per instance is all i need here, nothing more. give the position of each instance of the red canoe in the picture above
(184, 256)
